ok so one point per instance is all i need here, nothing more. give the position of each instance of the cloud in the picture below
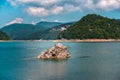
(32, 2)
(41, 11)
(51, 7)
(56, 20)
(17, 20)
(70, 8)
(37, 11)
(43, 20)
(109, 5)
(12, 2)
(56, 10)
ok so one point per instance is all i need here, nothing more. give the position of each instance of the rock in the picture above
(58, 51)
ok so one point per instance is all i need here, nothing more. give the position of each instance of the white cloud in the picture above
(48, 2)
(89, 4)
(56, 10)
(36, 2)
(37, 11)
(56, 20)
(70, 8)
(43, 20)
(12, 2)
(50, 7)
(109, 4)
(41, 11)
(17, 20)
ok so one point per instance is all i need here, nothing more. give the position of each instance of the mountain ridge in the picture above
(19, 31)
(48, 34)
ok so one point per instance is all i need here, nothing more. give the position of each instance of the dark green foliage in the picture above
(3, 36)
(93, 26)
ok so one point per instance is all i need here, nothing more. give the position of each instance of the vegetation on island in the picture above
(3, 36)
(93, 26)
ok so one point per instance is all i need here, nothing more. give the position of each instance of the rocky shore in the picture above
(58, 51)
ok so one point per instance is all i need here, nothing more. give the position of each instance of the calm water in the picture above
(89, 61)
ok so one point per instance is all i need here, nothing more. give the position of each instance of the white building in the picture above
(63, 28)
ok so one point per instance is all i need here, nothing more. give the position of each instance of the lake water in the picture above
(89, 61)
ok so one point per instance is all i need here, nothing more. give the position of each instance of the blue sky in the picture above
(33, 11)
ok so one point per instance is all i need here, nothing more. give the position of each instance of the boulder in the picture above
(58, 51)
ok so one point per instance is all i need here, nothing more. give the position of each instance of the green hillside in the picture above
(48, 34)
(16, 31)
(21, 31)
(47, 25)
(93, 26)
(3, 36)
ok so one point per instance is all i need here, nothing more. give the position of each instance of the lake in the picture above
(89, 61)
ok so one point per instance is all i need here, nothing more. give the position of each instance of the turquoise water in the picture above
(89, 61)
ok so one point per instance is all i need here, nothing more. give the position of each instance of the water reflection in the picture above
(53, 68)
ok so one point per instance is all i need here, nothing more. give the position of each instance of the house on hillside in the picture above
(63, 27)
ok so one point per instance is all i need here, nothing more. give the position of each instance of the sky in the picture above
(33, 11)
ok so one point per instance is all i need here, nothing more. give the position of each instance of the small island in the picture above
(58, 51)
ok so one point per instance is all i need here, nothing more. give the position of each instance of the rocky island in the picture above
(58, 51)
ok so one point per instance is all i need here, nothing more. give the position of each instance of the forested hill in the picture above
(93, 26)
(3, 36)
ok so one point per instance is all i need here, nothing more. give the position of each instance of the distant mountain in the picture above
(16, 31)
(49, 34)
(21, 31)
(93, 26)
(47, 25)
(118, 19)
(3, 36)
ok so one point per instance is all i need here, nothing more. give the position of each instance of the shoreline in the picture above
(88, 40)
(65, 40)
